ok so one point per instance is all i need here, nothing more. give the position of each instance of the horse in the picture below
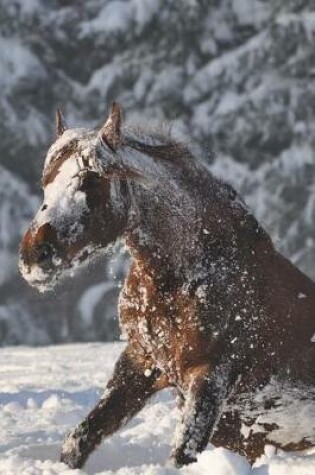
(209, 306)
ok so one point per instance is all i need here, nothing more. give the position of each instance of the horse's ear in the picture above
(60, 123)
(111, 130)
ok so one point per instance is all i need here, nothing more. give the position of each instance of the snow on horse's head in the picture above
(92, 182)
(81, 213)
(135, 184)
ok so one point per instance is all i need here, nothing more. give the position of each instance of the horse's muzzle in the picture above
(38, 255)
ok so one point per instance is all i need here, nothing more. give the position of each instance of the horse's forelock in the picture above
(62, 142)
(72, 142)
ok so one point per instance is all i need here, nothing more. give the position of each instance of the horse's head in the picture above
(83, 210)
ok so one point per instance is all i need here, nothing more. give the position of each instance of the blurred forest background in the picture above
(235, 77)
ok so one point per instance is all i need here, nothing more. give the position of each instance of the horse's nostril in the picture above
(44, 253)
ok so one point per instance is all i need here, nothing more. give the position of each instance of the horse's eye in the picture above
(44, 207)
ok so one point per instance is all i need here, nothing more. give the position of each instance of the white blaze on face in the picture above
(64, 202)
(62, 197)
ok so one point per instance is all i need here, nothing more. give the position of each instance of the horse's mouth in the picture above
(45, 281)
(42, 281)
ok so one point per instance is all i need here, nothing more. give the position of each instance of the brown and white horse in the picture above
(209, 307)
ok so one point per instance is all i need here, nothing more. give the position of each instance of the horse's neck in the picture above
(174, 213)
(164, 227)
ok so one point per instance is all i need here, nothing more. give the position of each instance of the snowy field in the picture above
(46, 391)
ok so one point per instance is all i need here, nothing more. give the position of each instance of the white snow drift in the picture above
(46, 391)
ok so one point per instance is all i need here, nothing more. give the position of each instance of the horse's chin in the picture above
(51, 279)
(39, 280)
(45, 286)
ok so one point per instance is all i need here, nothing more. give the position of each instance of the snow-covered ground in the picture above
(46, 391)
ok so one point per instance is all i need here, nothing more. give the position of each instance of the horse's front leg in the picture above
(204, 395)
(126, 393)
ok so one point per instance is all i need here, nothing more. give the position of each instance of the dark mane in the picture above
(158, 144)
